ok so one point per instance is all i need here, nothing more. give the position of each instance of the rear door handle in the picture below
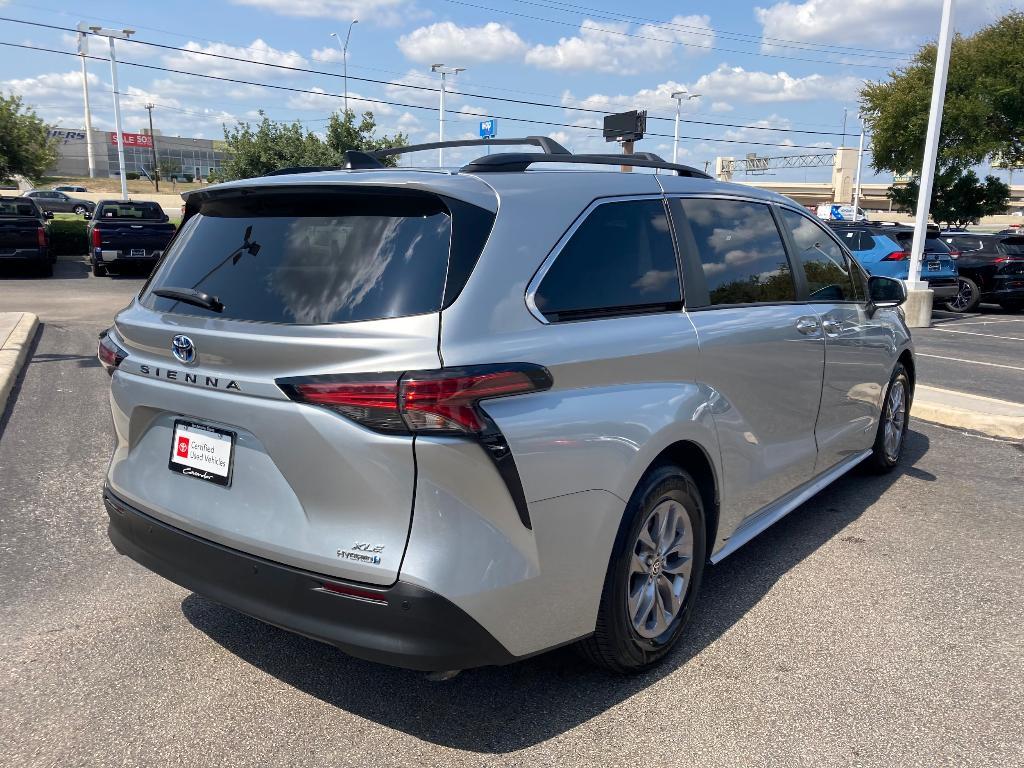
(807, 326)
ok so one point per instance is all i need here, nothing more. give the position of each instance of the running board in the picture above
(775, 512)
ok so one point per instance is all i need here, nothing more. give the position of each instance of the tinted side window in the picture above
(620, 260)
(740, 250)
(825, 265)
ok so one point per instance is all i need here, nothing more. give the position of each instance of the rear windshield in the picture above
(132, 211)
(311, 259)
(18, 208)
(931, 244)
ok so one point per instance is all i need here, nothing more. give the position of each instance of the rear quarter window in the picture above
(311, 259)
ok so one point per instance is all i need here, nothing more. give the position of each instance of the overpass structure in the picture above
(839, 189)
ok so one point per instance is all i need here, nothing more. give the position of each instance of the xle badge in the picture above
(362, 552)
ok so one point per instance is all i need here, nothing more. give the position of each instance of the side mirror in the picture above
(165, 218)
(86, 215)
(885, 292)
(47, 214)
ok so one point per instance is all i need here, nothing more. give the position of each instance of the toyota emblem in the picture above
(184, 349)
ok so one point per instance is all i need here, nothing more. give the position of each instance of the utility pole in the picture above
(152, 144)
(83, 51)
(111, 35)
(860, 158)
(344, 59)
(679, 96)
(845, 110)
(444, 72)
(919, 297)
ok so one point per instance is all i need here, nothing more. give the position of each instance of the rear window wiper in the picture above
(191, 296)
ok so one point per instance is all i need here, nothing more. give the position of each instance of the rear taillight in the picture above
(896, 256)
(97, 239)
(41, 237)
(954, 254)
(109, 353)
(444, 401)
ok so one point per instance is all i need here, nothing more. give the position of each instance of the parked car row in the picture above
(123, 233)
(56, 201)
(991, 269)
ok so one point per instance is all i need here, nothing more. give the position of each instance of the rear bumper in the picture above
(110, 257)
(943, 288)
(25, 254)
(404, 625)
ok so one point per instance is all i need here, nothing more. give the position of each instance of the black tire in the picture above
(616, 645)
(98, 270)
(882, 459)
(967, 298)
(1012, 306)
(79, 210)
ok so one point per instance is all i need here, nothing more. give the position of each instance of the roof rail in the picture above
(304, 169)
(356, 159)
(520, 161)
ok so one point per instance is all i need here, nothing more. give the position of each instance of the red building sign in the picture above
(132, 139)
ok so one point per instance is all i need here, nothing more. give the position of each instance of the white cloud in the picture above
(258, 51)
(657, 99)
(721, 106)
(323, 101)
(446, 41)
(64, 87)
(401, 91)
(623, 49)
(898, 24)
(739, 84)
(387, 12)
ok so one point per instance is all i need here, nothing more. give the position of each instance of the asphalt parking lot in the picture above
(877, 625)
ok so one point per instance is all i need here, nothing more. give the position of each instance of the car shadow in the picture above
(504, 709)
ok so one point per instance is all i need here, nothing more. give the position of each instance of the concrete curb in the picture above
(998, 418)
(17, 329)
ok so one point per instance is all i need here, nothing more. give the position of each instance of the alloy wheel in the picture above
(895, 419)
(659, 571)
(962, 299)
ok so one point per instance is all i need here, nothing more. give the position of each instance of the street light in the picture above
(344, 58)
(111, 35)
(83, 51)
(444, 71)
(679, 96)
(860, 159)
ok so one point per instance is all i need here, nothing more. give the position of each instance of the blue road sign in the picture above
(488, 129)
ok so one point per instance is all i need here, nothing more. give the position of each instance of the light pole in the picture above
(152, 144)
(444, 71)
(83, 51)
(679, 96)
(112, 35)
(344, 58)
(860, 157)
(919, 305)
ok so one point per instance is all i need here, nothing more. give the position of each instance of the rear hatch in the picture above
(937, 263)
(19, 227)
(308, 282)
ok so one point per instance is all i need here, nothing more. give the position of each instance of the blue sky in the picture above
(777, 73)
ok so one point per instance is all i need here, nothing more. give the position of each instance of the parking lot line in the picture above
(994, 320)
(974, 333)
(972, 362)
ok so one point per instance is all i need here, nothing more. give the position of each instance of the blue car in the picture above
(885, 250)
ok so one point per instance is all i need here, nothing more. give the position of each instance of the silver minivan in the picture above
(445, 419)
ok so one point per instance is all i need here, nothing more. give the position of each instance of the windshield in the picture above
(311, 259)
(148, 211)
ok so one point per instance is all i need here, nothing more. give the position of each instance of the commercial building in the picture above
(179, 156)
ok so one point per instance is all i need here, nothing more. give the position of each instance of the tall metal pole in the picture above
(444, 72)
(344, 58)
(83, 49)
(152, 144)
(675, 141)
(117, 120)
(931, 145)
(860, 158)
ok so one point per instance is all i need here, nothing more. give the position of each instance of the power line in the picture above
(504, 99)
(664, 40)
(746, 37)
(290, 89)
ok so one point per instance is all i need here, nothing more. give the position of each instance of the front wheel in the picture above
(967, 298)
(892, 422)
(654, 574)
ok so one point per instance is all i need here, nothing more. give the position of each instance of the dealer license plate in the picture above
(138, 253)
(203, 452)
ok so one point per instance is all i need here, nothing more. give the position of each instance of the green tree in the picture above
(168, 168)
(26, 148)
(270, 145)
(959, 198)
(983, 113)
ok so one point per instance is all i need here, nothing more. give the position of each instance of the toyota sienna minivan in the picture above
(443, 419)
